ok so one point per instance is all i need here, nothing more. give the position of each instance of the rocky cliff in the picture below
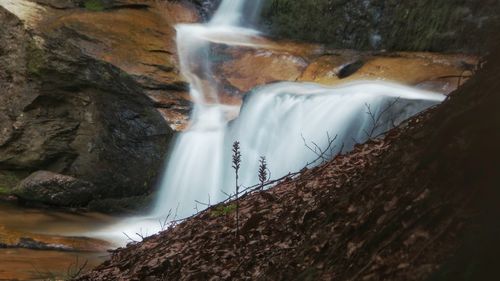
(88, 90)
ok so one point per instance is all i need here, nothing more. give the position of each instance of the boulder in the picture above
(55, 189)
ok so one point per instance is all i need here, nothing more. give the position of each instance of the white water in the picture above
(235, 12)
(272, 122)
(195, 169)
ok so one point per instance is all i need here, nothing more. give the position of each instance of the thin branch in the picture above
(322, 154)
(376, 119)
(201, 203)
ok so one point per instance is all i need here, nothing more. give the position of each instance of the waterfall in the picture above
(196, 164)
(274, 121)
(235, 12)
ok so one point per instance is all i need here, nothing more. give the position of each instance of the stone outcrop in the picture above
(55, 189)
(83, 87)
(246, 68)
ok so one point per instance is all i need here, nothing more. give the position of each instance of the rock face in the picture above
(55, 189)
(427, 25)
(246, 68)
(440, 72)
(76, 88)
(250, 68)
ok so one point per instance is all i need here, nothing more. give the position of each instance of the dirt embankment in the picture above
(420, 204)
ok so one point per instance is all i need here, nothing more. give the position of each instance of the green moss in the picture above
(35, 58)
(9, 180)
(94, 5)
(426, 25)
(223, 210)
(4, 190)
(123, 74)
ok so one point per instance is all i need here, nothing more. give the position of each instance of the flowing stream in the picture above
(48, 226)
(275, 121)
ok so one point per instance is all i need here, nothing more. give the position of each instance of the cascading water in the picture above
(277, 119)
(194, 169)
(196, 158)
(274, 122)
(235, 12)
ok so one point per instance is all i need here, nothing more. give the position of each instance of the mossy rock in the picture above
(407, 25)
(44, 187)
(9, 180)
(94, 5)
(35, 58)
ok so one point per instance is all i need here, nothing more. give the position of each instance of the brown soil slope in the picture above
(421, 204)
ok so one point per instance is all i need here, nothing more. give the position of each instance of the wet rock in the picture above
(138, 37)
(55, 189)
(29, 243)
(432, 71)
(249, 68)
(349, 69)
(244, 69)
(84, 94)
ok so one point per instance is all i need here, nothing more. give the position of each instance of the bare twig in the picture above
(76, 269)
(130, 238)
(201, 203)
(163, 224)
(376, 119)
(227, 194)
(322, 154)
